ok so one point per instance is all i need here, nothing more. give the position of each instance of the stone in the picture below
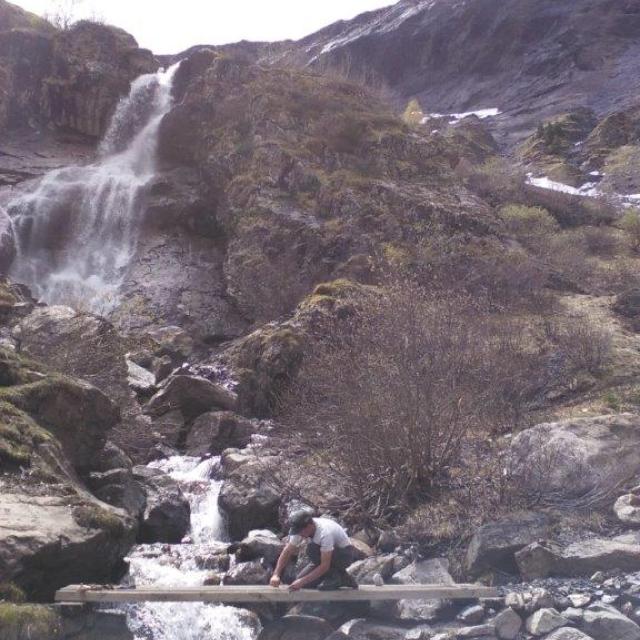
(192, 395)
(50, 541)
(247, 573)
(494, 544)
(479, 631)
(257, 546)
(433, 571)
(363, 629)
(86, 624)
(215, 431)
(248, 502)
(364, 571)
(296, 626)
(568, 633)
(581, 453)
(472, 615)
(545, 621)
(507, 624)
(119, 488)
(579, 600)
(603, 622)
(167, 513)
(580, 558)
(142, 381)
(627, 510)
(419, 633)
(573, 614)
(171, 341)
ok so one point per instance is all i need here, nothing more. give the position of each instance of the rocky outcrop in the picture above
(215, 431)
(167, 513)
(627, 508)
(67, 79)
(582, 558)
(577, 458)
(494, 544)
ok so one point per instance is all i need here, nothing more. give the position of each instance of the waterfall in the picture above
(177, 566)
(77, 231)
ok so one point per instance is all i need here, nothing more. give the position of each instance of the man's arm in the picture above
(286, 555)
(319, 571)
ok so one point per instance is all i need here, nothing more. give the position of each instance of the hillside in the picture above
(388, 273)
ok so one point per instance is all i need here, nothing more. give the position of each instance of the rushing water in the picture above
(77, 231)
(179, 565)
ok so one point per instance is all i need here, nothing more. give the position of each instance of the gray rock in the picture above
(507, 624)
(296, 626)
(256, 546)
(493, 545)
(472, 615)
(192, 395)
(568, 633)
(215, 431)
(119, 488)
(171, 341)
(580, 558)
(579, 600)
(627, 509)
(545, 621)
(249, 502)
(365, 570)
(479, 631)
(247, 573)
(433, 571)
(142, 381)
(167, 514)
(581, 454)
(603, 622)
(363, 629)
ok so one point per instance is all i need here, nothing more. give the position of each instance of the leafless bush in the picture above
(601, 241)
(393, 399)
(497, 181)
(583, 346)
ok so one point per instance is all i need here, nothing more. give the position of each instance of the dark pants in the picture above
(341, 558)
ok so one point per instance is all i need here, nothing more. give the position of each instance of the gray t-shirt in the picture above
(329, 535)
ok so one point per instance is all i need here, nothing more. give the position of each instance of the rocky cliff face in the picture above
(529, 59)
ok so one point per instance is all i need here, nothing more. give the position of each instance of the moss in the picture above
(9, 592)
(15, 369)
(93, 517)
(340, 288)
(19, 436)
(35, 622)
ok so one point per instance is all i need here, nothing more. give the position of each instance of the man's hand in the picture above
(296, 586)
(275, 581)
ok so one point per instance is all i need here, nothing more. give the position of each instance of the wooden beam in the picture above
(240, 594)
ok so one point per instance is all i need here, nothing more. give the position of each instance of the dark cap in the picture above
(298, 521)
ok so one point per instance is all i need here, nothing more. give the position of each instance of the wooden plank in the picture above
(86, 593)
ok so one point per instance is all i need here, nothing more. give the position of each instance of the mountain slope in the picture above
(530, 59)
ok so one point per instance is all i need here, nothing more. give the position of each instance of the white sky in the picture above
(170, 27)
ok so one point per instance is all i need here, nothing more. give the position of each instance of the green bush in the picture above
(530, 225)
(630, 222)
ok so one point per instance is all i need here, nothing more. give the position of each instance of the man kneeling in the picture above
(329, 552)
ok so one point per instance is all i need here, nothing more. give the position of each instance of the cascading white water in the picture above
(77, 231)
(177, 565)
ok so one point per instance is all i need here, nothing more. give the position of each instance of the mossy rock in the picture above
(94, 517)
(9, 592)
(20, 436)
(15, 369)
(29, 622)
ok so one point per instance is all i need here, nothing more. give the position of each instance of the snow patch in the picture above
(589, 189)
(456, 117)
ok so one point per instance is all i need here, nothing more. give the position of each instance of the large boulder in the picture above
(258, 545)
(247, 573)
(167, 513)
(494, 544)
(583, 558)
(433, 571)
(52, 540)
(365, 571)
(627, 508)
(603, 622)
(215, 431)
(568, 633)
(249, 502)
(576, 457)
(192, 395)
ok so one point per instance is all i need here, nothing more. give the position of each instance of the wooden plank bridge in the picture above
(80, 594)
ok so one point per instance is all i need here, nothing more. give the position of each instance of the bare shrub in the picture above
(601, 241)
(390, 401)
(582, 346)
(497, 181)
(630, 222)
(568, 260)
